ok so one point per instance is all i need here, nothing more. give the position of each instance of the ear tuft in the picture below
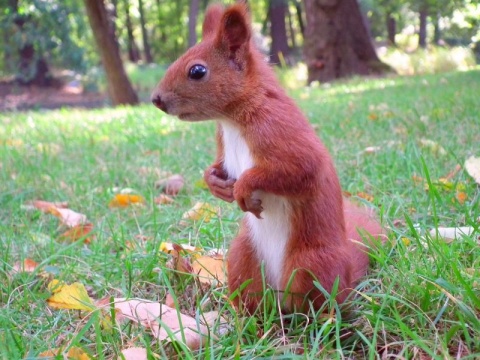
(213, 15)
(235, 27)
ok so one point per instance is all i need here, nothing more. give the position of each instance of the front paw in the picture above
(249, 202)
(219, 183)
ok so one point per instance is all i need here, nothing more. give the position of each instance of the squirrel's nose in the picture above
(157, 101)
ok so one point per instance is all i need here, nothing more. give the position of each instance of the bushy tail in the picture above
(362, 227)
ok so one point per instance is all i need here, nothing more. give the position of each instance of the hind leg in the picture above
(316, 264)
(243, 266)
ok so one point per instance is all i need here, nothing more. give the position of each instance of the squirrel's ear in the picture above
(213, 15)
(235, 29)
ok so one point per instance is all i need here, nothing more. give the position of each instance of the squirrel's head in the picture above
(212, 77)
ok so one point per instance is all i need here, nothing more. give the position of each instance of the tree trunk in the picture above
(279, 51)
(119, 87)
(422, 33)
(291, 30)
(391, 28)
(436, 30)
(192, 22)
(301, 24)
(337, 43)
(133, 52)
(146, 43)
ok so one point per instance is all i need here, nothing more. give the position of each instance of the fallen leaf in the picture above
(171, 185)
(134, 353)
(68, 217)
(372, 149)
(157, 317)
(28, 265)
(124, 200)
(365, 196)
(78, 232)
(163, 199)
(171, 248)
(169, 300)
(74, 353)
(45, 206)
(454, 172)
(405, 241)
(210, 269)
(200, 184)
(449, 234)
(72, 296)
(433, 146)
(461, 197)
(472, 165)
(200, 211)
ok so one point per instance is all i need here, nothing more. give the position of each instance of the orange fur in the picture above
(290, 166)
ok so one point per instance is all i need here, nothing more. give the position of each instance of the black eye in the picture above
(197, 72)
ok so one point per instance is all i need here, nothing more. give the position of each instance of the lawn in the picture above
(394, 141)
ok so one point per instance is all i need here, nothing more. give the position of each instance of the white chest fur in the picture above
(269, 234)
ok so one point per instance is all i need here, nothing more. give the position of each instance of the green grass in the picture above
(420, 299)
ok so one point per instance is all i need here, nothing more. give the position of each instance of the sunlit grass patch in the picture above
(396, 143)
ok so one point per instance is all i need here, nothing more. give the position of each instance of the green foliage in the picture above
(435, 59)
(57, 31)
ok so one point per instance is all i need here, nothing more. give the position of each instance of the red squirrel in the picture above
(270, 161)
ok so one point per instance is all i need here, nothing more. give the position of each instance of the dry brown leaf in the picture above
(449, 234)
(163, 199)
(201, 211)
(45, 206)
(72, 296)
(157, 316)
(365, 196)
(28, 265)
(74, 353)
(210, 269)
(169, 300)
(472, 165)
(124, 200)
(68, 217)
(171, 185)
(134, 353)
(78, 232)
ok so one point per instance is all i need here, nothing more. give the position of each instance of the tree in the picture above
(146, 43)
(336, 41)
(192, 22)
(37, 34)
(277, 10)
(133, 52)
(119, 87)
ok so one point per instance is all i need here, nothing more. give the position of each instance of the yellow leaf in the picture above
(169, 248)
(74, 353)
(472, 165)
(72, 296)
(124, 200)
(210, 269)
(405, 241)
(201, 211)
